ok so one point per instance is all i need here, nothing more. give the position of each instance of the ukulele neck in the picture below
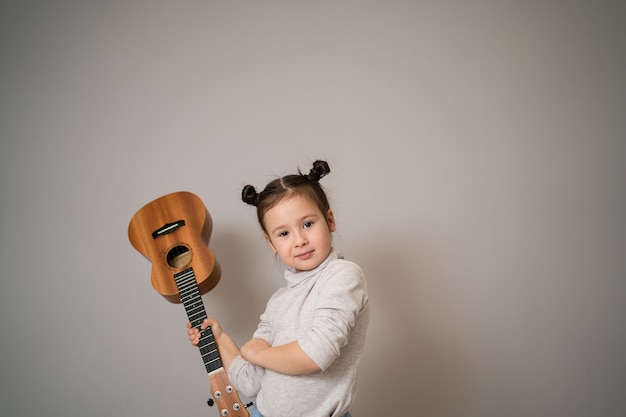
(192, 300)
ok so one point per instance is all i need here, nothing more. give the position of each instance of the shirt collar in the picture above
(294, 277)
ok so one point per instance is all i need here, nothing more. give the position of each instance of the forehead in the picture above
(290, 208)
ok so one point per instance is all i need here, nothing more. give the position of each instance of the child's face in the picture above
(299, 233)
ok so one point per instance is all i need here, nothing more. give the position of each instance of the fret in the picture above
(194, 307)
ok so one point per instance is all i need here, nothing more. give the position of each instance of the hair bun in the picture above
(320, 170)
(249, 195)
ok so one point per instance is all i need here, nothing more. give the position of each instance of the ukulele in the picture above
(173, 233)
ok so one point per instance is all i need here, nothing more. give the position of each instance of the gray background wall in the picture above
(478, 159)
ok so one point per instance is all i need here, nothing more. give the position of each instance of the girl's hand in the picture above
(250, 350)
(194, 333)
(227, 347)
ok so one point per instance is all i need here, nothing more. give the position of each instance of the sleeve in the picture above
(245, 376)
(264, 330)
(342, 296)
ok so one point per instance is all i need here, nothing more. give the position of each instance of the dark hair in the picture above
(300, 184)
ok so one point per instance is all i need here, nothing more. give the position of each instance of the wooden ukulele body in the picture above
(173, 232)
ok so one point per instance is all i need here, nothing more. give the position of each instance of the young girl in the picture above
(303, 357)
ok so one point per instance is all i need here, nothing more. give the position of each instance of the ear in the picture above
(269, 243)
(330, 220)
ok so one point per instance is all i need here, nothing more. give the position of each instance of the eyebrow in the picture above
(301, 219)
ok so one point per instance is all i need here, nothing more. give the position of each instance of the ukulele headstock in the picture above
(225, 396)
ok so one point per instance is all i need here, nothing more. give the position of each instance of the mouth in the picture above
(304, 256)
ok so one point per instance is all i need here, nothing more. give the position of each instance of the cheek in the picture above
(279, 246)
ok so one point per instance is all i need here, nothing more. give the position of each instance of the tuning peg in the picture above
(210, 402)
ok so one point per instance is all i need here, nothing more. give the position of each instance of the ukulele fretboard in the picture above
(192, 300)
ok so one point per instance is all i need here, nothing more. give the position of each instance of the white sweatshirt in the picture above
(327, 311)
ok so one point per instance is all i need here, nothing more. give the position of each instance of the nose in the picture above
(301, 239)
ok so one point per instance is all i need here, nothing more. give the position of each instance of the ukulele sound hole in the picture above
(178, 257)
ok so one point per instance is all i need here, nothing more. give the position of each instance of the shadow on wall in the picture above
(408, 367)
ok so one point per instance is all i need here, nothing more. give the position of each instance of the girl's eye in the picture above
(283, 233)
(306, 225)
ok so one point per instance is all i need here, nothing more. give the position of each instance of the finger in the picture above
(208, 322)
